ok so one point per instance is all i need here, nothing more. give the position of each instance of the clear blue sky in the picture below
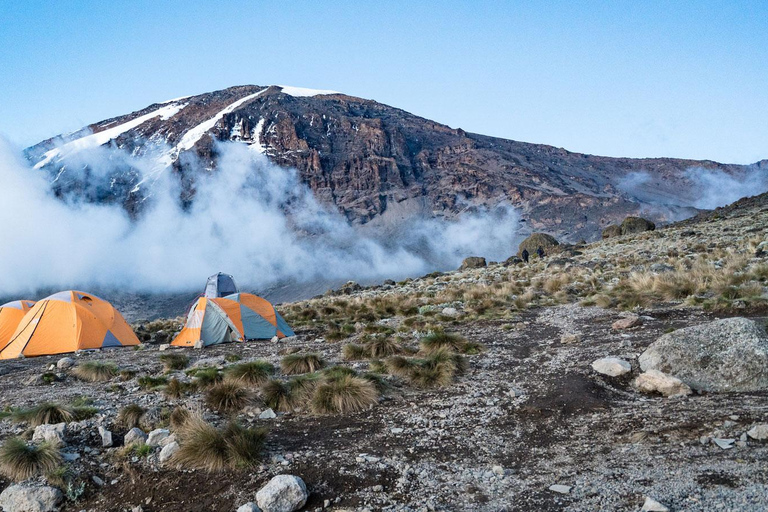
(621, 78)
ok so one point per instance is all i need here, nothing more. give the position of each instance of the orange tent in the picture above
(10, 316)
(236, 317)
(66, 322)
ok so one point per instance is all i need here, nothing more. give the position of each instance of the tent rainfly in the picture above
(66, 322)
(220, 285)
(10, 316)
(237, 317)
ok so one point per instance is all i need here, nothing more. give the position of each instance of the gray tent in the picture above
(220, 285)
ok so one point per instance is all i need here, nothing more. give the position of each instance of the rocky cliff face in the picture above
(376, 164)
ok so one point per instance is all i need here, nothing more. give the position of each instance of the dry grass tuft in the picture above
(353, 352)
(295, 364)
(227, 397)
(20, 461)
(203, 446)
(47, 412)
(383, 346)
(130, 416)
(179, 417)
(174, 361)
(277, 395)
(95, 371)
(254, 372)
(344, 395)
(176, 389)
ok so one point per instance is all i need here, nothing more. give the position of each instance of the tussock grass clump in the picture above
(439, 339)
(20, 461)
(378, 381)
(232, 358)
(174, 361)
(338, 372)
(378, 366)
(179, 417)
(205, 377)
(277, 395)
(95, 371)
(400, 366)
(203, 446)
(302, 386)
(176, 389)
(431, 376)
(47, 412)
(295, 364)
(254, 372)
(343, 395)
(147, 382)
(227, 397)
(383, 346)
(354, 352)
(130, 416)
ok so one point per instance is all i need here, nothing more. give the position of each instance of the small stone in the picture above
(704, 440)
(570, 338)
(168, 451)
(135, 435)
(627, 323)
(651, 505)
(759, 432)
(451, 312)
(378, 488)
(64, 363)
(611, 366)
(561, 489)
(725, 444)
(274, 339)
(50, 433)
(164, 347)
(106, 437)
(199, 344)
(267, 415)
(98, 481)
(284, 493)
(654, 381)
(70, 457)
(498, 470)
(396, 430)
(30, 497)
(249, 507)
(157, 436)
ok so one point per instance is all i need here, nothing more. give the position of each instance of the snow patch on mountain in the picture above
(304, 92)
(100, 138)
(193, 135)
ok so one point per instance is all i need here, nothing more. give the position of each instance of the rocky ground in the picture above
(531, 425)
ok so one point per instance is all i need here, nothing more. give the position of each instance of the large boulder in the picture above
(636, 225)
(473, 262)
(284, 493)
(720, 356)
(30, 497)
(53, 434)
(611, 231)
(536, 240)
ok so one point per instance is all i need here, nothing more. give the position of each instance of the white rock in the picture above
(452, 312)
(50, 433)
(396, 430)
(106, 437)
(30, 497)
(611, 366)
(570, 338)
(759, 432)
(168, 451)
(725, 444)
(249, 507)
(655, 381)
(651, 505)
(267, 415)
(135, 435)
(98, 481)
(274, 339)
(157, 436)
(164, 347)
(562, 489)
(64, 363)
(284, 493)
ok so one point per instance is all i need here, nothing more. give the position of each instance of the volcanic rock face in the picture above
(363, 157)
